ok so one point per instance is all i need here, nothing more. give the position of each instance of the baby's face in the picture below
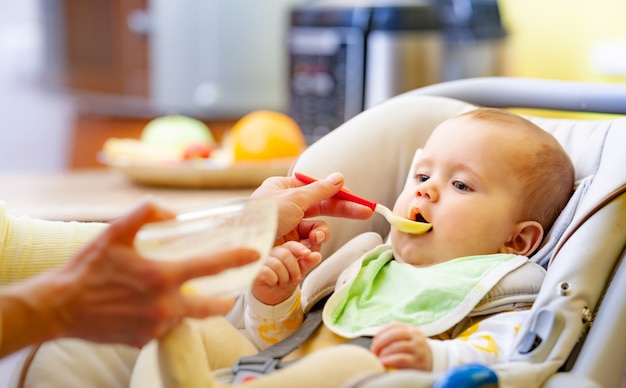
(466, 184)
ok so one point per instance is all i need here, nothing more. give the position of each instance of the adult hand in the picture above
(109, 293)
(297, 200)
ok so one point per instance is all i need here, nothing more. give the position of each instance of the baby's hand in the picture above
(401, 346)
(283, 271)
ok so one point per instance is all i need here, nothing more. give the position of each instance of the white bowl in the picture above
(223, 225)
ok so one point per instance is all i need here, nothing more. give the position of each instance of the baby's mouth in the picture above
(417, 216)
(420, 218)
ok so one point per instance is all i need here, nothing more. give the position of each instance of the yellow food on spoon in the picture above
(265, 135)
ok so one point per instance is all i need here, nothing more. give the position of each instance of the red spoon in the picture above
(402, 224)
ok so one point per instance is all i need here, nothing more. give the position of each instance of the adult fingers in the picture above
(125, 228)
(277, 185)
(316, 199)
(181, 271)
(317, 231)
(200, 306)
(339, 208)
(322, 189)
(295, 197)
(298, 200)
(313, 234)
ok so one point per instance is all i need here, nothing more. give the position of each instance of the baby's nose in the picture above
(422, 193)
(427, 191)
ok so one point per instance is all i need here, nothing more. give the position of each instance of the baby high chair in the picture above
(582, 252)
(574, 336)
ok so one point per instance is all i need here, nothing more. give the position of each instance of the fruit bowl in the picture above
(220, 226)
(198, 173)
(178, 151)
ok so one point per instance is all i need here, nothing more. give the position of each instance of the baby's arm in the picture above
(489, 341)
(273, 310)
(283, 271)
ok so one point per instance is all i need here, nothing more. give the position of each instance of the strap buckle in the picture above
(249, 368)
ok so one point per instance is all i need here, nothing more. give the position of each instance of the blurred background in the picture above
(75, 72)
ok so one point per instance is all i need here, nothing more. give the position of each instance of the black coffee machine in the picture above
(346, 59)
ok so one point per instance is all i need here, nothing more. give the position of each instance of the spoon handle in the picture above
(342, 194)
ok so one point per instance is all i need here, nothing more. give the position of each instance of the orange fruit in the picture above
(265, 135)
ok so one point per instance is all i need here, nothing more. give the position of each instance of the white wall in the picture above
(35, 123)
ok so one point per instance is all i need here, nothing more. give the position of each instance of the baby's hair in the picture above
(548, 175)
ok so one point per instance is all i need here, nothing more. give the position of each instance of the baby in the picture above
(490, 183)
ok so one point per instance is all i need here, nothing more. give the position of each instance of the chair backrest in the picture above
(374, 151)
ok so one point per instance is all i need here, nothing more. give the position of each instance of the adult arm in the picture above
(29, 246)
(108, 293)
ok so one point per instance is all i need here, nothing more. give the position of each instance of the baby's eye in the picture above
(421, 177)
(461, 186)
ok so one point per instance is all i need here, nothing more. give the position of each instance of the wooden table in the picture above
(93, 195)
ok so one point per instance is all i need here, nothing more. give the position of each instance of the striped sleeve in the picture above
(29, 246)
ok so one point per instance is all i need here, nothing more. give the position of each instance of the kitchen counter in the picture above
(93, 195)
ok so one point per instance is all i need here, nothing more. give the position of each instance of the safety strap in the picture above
(270, 359)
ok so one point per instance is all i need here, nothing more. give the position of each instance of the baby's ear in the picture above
(525, 238)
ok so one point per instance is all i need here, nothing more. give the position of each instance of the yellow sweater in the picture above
(29, 246)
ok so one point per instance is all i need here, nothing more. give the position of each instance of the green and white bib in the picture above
(433, 298)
